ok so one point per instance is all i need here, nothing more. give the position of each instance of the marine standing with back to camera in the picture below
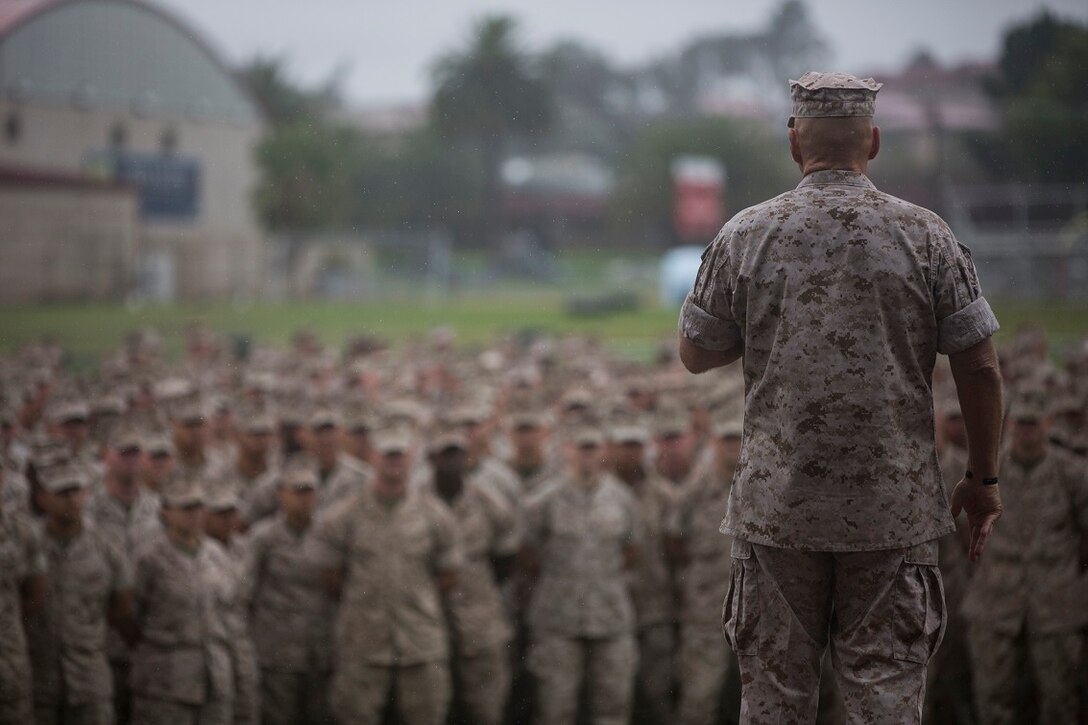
(838, 298)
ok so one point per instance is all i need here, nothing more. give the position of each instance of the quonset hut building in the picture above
(126, 157)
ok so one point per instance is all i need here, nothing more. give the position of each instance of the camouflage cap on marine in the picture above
(182, 493)
(832, 95)
(1029, 405)
(64, 478)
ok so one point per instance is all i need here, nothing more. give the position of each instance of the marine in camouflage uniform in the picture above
(650, 582)
(181, 665)
(292, 618)
(126, 514)
(702, 551)
(22, 585)
(388, 550)
(89, 587)
(480, 628)
(583, 531)
(221, 524)
(1026, 602)
(839, 297)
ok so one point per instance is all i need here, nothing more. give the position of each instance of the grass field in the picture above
(88, 331)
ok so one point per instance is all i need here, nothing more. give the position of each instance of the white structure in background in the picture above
(679, 266)
(119, 101)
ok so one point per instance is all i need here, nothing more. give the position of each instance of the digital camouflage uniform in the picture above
(704, 657)
(479, 624)
(67, 641)
(581, 617)
(292, 626)
(653, 596)
(181, 667)
(390, 630)
(841, 297)
(232, 597)
(128, 529)
(949, 678)
(1027, 601)
(21, 558)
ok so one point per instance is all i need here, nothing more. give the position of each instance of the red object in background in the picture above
(698, 191)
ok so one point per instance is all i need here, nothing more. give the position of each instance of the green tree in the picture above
(1040, 84)
(487, 94)
(284, 101)
(757, 166)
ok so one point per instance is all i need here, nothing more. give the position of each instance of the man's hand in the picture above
(983, 507)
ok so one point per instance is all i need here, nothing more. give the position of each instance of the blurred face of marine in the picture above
(727, 452)
(1029, 437)
(255, 444)
(221, 525)
(191, 436)
(587, 459)
(674, 452)
(157, 467)
(955, 431)
(123, 465)
(75, 432)
(64, 507)
(185, 522)
(627, 458)
(392, 469)
(297, 504)
(528, 441)
(324, 443)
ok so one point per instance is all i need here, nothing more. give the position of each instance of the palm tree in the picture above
(488, 93)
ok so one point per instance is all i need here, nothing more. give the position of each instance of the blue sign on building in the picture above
(168, 187)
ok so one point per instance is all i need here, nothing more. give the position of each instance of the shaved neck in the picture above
(845, 144)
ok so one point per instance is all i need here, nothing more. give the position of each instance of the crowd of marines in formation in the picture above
(527, 532)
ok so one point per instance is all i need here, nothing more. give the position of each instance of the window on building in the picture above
(118, 136)
(168, 140)
(13, 128)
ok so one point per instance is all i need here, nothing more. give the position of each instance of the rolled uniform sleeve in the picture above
(964, 317)
(706, 318)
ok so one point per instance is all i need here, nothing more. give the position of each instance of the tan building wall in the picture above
(217, 253)
(66, 242)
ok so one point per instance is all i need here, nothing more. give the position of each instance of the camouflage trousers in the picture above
(150, 711)
(360, 693)
(295, 698)
(882, 612)
(998, 661)
(562, 665)
(247, 685)
(483, 684)
(705, 662)
(654, 684)
(87, 713)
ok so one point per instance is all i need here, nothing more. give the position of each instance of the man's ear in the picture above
(795, 147)
(876, 143)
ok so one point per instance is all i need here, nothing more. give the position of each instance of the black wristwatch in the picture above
(985, 482)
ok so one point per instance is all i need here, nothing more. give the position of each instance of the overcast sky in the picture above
(387, 46)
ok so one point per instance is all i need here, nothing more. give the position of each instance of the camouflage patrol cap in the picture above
(394, 440)
(729, 428)
(64, 478)
(523, 419)
(832, 95)
(1029, 405)
(156, 444)
(126, 438)
(257, 422)
(671, 423)
(629, 433)
(298, 474)
(222, 498)
(183, 493)
(70, 410)
(325, 418)
(587, 436)
(447, 439)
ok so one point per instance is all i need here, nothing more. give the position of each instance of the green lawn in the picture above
(89, 330)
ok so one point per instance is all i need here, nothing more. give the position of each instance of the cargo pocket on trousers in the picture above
(919, 608)
(740, 611)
